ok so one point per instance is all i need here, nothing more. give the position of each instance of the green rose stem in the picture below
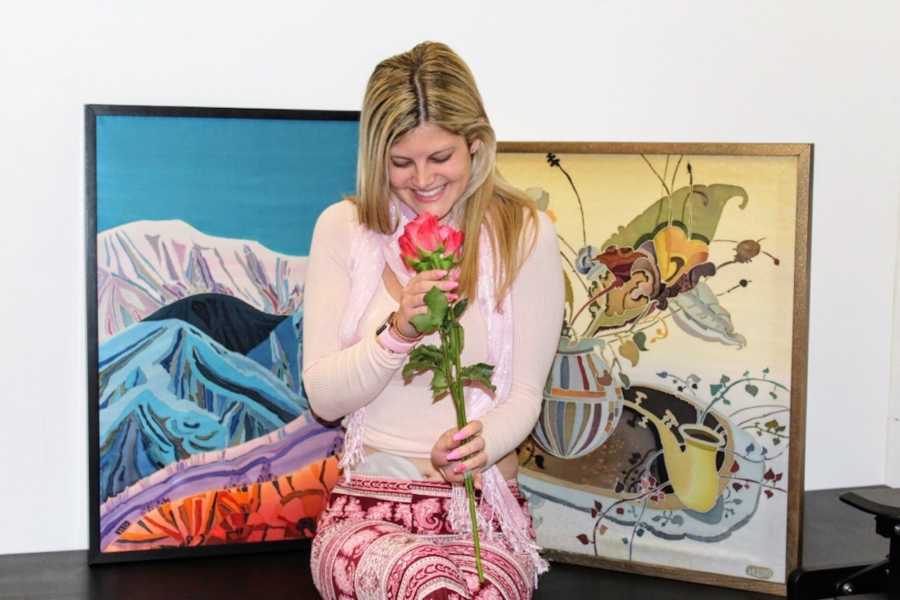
(448, 375)
(451, 337)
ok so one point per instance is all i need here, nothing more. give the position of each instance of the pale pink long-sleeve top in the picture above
(401, 417)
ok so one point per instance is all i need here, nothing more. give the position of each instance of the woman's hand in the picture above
(458, 451)
(412, 299)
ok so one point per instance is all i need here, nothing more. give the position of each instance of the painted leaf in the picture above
(640, 340)
(540, 196)
(700, 206)
(583, 538)
(602, 320)
(751, 389)
(702, 316)
(570, 293)
(630, 351)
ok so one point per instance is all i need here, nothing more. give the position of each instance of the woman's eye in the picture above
(400, 164)
(441, 159)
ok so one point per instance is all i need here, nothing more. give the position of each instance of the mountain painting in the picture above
(199, 224)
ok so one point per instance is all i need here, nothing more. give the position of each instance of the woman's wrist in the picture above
(399, 333)
(394, 341)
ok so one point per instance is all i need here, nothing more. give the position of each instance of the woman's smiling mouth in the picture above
(431, 195)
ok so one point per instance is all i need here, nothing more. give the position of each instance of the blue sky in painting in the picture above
(260, 179)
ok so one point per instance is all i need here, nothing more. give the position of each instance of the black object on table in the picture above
(858, 580)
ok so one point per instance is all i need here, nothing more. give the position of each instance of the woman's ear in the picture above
(474, 146)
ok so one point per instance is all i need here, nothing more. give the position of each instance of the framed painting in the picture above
(670, 441)
(197, 231)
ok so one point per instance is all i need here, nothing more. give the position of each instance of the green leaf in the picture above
(422, 358)
(460, 307)
(725, 379)
(715, 388)
(478, 373)
(437, 304)
(424, 324)
(626, 381)
(640, 339)
(773, 424)
(439, 384)
(751, 389)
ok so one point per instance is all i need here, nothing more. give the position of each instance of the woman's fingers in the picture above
(474, 462)
(471, 428)
(462, 452)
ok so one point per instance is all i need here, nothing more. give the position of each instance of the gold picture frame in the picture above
(671, 436)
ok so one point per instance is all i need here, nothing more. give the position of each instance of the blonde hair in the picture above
(431, 83)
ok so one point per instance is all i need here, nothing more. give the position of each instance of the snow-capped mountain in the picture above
(145, 265)
(168, 391)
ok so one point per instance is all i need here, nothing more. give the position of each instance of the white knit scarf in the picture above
(369, 253)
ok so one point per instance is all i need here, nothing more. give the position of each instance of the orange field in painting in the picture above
(284, 508)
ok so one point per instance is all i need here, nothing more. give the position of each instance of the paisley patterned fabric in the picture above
(391, 539)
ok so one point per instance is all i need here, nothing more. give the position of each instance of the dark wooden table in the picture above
(833, 534)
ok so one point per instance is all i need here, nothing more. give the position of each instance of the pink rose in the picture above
(424, 232)
(408, 251)
(423, 236)
(452, 241)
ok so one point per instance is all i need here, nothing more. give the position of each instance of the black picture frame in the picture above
(93, 112)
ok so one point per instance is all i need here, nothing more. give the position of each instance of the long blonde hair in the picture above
(431, 83)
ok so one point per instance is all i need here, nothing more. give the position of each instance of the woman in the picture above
(394, 528)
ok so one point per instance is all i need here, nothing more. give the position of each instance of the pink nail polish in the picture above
(460, 469)
(453, 455)
(458, 436)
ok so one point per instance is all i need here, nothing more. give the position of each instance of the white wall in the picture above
(892, 467)
(642, 71)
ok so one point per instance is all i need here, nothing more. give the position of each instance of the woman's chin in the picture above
(439, 210)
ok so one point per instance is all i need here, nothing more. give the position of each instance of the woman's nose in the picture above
(422, 178)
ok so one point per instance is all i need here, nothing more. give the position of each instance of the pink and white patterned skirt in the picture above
(383, 538)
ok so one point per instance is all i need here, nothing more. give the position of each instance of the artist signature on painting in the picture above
(759, 572)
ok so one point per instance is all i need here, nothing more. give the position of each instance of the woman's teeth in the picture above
(430, 193)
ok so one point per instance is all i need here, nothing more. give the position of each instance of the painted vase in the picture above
(582, 402)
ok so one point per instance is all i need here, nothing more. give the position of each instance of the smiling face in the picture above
(429, 168)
